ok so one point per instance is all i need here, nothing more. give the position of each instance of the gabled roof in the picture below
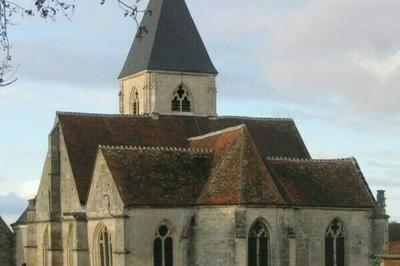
(23, 218)
(239, 175)
(322, 183)
(83, 133)
(167, 39)
(149, 176)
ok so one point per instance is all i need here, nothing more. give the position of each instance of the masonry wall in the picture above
(215, 238)
(20, 242)
(156, 89)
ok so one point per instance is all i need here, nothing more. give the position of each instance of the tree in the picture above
(11, 11)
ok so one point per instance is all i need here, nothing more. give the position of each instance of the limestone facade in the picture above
(153, 92)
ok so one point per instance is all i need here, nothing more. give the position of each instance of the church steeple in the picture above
(168, 39)
(168, 69)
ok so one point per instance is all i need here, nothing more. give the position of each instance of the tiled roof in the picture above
(83, 133)
(158, 176)
(23, 218)
(226, 168)
(239, 175)
(4, 227)
(392, 256)
(167, 39)
(322, 183)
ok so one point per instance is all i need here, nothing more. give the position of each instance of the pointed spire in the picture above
(168, 39)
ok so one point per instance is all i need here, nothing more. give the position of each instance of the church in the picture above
(168, 182)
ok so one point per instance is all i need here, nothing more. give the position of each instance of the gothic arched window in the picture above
(103, 244)
(69, 246)
(335, 244)
(163, 247)
(45, 247)
(258, 245)
(181, 100)
(135, 102)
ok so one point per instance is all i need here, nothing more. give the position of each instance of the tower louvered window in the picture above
(335, 244)
(181, 100)
(163, 247)
(258, 245)
(135, 103)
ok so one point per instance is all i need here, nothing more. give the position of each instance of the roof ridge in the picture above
(99, 115)
(254, 118)
(154, 148)
(294, 159)
(218, 132)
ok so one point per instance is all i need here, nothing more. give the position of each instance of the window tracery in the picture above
(181, 100)
(258, 245)
(335, 244)
(163, 247)
(103, 246)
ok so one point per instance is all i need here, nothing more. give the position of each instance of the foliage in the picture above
(394, 231)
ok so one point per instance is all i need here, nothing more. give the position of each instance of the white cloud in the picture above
(25, 189)
(382, 68)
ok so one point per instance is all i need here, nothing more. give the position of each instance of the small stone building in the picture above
(168, 182)
(6, 244)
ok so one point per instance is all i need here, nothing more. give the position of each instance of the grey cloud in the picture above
(320, 52)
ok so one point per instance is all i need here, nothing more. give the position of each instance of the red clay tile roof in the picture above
(83, 133)
(392, 256)
(239, 175)
(394, 247)
(322, 183)
(158, 176)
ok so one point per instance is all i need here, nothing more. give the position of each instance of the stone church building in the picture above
(169, 182)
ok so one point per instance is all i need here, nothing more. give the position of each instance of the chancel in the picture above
(168, 182)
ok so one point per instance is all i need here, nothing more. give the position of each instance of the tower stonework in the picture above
(168, 69)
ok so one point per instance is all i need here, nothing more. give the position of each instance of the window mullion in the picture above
(163, 251)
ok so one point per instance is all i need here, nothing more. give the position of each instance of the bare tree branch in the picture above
(46, 9)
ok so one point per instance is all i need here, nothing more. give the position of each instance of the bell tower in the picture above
(168, 69)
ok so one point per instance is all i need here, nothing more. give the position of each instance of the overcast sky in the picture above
(332, 65)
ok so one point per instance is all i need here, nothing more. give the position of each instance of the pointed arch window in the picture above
(69, 246)
(335, 237)
(163, 247)
(258, 245)
(181, 100)
(103, 246)
(45, 247)
(135, 102)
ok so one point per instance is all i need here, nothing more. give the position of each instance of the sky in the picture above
(333, 66)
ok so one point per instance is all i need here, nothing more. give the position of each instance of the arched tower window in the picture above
(45, 246)
(163, 247)
(69, 246)
(258, 245)
(103, 248)
(181, 100)
(335, 244)
(135, 102)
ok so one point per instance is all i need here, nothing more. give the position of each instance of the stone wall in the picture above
(218, 235)
(156, 89)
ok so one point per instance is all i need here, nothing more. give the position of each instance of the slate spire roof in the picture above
(167, 39)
